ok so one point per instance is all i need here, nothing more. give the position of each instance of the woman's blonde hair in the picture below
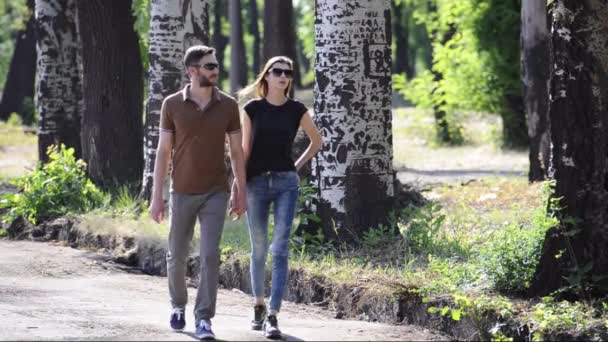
(259, 87)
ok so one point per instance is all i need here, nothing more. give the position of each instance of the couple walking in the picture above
(193, 127)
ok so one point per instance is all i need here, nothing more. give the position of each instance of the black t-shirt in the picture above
(273, 129)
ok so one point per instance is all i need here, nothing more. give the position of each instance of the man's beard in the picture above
(205, 82)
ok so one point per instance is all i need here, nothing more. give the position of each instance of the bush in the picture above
(14, 120)
(53, 189)
(511, 255)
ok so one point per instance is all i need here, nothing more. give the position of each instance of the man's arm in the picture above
(237, 161)
(161, 165)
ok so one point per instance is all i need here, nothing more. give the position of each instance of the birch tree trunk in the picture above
(175, 26)
(354, 169)
(59, 76)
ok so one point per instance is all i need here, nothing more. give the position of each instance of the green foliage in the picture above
(475, 45)
(477, 308)
(511, 255)
(141, 12)
(302, 241)
(551, 317)
(422, 230)
(14, 120)
(53, 189)
(303, 214)
(423, 227)
(305, 19)
(449, 276)
(123, 201)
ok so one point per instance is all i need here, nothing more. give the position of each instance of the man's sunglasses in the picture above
(278, 72)
(208, 66)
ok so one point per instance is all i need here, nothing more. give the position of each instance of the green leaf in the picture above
(456, 315)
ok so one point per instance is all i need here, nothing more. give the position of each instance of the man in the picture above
(194, 124)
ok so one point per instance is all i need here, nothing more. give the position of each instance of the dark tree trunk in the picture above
(353, 171)
(21, 78)
(112, 125)
(280, 34)
(238, 62)
(255, 32)
(515, 129)
(535, 46)
(579, 135)
(401, 64)
(219, 40)
(59, 79)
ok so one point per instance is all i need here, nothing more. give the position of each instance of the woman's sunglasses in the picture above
(208, 66)
(278, 72)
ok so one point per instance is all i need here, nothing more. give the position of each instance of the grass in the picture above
(18, 150)
(414, 146)
(13, 134)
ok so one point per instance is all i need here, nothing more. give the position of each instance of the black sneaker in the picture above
(259, 314)
(178, 319)
(271, 328)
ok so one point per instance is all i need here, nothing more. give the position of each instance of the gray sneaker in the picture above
(271, 328)
(203, 330)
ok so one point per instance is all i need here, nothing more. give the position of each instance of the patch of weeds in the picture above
(551, 317)
(122, 202)
(382, 235)
(448, 276)
(511, 255)
(236, 236)
(422, 229)
(486, 313)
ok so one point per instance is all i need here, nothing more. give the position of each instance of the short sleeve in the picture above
(300, 109)
(249, 109)
(166, 118)
(234, 122)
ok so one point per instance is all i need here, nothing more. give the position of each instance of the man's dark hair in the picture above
(195, 53)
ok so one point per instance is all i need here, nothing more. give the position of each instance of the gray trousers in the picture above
(210, 208)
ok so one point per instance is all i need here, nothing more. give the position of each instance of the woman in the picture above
(269, 126)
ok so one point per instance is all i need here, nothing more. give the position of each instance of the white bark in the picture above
(353, 170)
(175, 26)
(59, 83)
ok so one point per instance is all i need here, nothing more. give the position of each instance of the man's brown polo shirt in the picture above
(198, 139)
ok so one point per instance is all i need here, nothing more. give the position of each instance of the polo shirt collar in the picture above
(215, 93)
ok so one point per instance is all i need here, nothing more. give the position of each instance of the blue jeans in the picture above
(281, 190)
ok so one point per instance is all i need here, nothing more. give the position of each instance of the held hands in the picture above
(157, 209)
(238, 202)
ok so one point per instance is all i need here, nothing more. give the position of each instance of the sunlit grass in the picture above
(15, 135)
(18, 150)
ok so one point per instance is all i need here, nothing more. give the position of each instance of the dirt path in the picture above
(52, 292)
